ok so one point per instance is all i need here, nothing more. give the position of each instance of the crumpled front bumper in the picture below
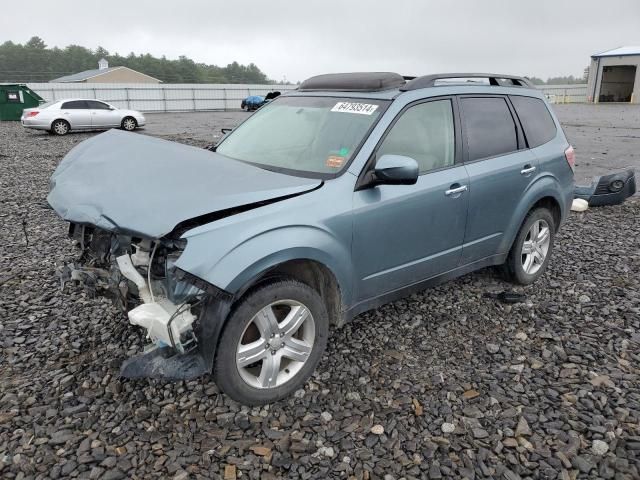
(156, 296)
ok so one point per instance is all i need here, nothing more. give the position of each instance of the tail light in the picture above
(32, 114)
(570, 155)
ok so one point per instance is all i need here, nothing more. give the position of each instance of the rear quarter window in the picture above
(537, 122)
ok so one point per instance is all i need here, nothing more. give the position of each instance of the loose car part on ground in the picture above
(611, 189)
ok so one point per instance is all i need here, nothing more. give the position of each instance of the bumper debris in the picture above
(611, 189)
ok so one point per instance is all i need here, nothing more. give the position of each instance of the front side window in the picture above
(489, 127)
(96, 105)
(315, 136)
(424, 132)
(74, 105)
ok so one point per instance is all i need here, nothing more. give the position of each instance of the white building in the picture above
(614, 76)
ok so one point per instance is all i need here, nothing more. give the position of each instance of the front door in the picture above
(77, 113)
(403, 234)
(102, 116)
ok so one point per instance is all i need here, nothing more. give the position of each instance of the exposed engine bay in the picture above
(140, 277)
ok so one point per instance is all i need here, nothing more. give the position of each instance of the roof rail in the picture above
(430, 80)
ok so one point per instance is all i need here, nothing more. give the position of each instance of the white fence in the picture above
(201, 97)
(159, 98)
(576, 93)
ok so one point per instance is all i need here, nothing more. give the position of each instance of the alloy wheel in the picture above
(60, 128)
(535, 246)
(276, 344)
(129, 124)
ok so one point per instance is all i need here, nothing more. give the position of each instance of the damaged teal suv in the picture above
(347, 193)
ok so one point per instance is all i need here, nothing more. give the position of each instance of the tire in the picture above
(60, 127)
(525, 268)
(129, 124)
(251, 324)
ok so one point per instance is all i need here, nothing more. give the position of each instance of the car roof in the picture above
(81, 99)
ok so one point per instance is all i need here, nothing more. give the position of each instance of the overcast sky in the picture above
(297, 39)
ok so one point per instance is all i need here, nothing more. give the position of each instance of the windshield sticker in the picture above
(334, 161)
(344, 151)
(349, 107)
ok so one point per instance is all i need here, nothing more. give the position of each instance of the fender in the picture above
(249, 259)
(545, 185)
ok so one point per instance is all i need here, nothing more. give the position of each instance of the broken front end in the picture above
(179, 312)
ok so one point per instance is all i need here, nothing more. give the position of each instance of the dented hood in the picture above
(133, 183)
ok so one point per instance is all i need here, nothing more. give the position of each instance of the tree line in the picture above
(569, 80)
(35, 62)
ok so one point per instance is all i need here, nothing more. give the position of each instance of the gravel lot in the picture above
(445, 383)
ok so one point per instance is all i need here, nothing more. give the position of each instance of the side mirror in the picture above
(396, 170)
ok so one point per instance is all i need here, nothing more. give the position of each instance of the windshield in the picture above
(47, 104)
(307, 135)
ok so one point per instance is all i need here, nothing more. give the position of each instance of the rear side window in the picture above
(538, 125)
(74, 105)
(489, 127)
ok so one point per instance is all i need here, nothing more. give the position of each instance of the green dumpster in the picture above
(15, 97)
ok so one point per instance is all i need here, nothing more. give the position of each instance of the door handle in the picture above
(527, 170)
(456, 190)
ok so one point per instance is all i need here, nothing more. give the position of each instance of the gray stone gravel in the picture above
(443, 384)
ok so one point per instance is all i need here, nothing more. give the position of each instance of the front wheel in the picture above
(129, 124)
(531, 251)
(271, 343)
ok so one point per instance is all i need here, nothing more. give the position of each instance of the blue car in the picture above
(253, 102)
(352, 191)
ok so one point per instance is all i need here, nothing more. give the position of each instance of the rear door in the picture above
(102, 116)
(77, 113)
(500, 169)
(403, 234)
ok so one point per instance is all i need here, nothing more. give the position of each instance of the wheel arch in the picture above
(310, 272)
(58, 119)
(311, 254)
(544, 193)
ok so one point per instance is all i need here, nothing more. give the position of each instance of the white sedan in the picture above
(62, 116)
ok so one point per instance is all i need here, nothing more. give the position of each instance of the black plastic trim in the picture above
(203, 285)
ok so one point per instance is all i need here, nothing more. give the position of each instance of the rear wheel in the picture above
(129, 124)
(271, 343)
(60, 127)
(531, 251)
